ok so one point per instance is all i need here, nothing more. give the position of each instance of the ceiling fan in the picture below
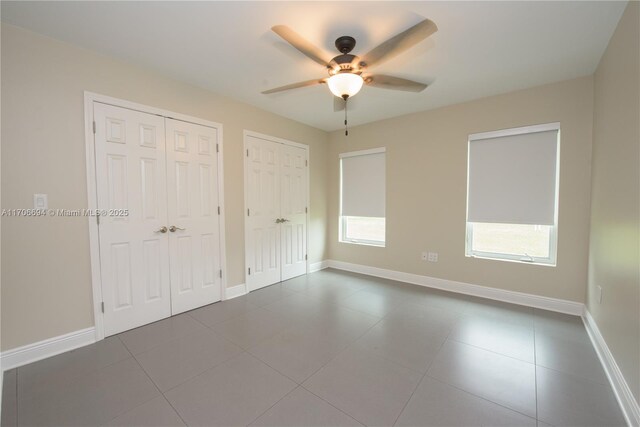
(347, 72)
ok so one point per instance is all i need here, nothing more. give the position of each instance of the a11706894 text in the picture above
(64, 212)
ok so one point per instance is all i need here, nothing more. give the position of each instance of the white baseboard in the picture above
(50, 347)
(317, 266)
(627, 401)
(235, 291)
(520, 298)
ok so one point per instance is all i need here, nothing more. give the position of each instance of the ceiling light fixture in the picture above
(345, 85)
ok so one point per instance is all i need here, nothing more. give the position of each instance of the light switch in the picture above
(40, 201)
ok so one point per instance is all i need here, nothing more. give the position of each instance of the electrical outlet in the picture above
(599, 294)
(425, 256)
(432, 257)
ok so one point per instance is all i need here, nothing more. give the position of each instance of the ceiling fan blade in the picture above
(300, 43)
(338, 104)
(295, 86)
(399, 43)
(394, 83)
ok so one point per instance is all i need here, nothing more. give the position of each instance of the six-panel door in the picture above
(276, 224)
(192, 194)
(131, 187)
(293, 211)
(162, 258)
(263, 210)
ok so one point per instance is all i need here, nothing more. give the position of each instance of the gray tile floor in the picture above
(327, 349)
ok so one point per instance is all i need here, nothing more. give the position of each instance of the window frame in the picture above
(342, 238)
(550, 261)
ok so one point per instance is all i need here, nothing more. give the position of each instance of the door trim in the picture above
(92, 193)
(246, 133)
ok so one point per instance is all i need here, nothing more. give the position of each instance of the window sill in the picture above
(375, 245)
(517, 261)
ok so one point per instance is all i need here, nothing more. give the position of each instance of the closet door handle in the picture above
(162, 229)
(173, 228)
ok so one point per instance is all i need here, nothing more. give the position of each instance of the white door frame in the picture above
(246, 133)
(92, 194)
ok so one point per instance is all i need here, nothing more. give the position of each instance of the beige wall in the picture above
(614, 254)
(426, 189)
(46, 281)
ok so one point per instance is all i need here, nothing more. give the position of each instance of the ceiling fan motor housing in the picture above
(345, 44)
(342, 63)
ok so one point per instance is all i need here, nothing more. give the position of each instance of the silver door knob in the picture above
(173, 228)
(162, 229)
(278, 220)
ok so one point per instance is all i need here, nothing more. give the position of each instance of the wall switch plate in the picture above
(432, 257)
(40, 201)
(425, 256)
(599, 294)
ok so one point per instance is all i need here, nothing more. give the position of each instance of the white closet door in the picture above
(192, 194)
(263, 204)
(134, 256)
(293, 205)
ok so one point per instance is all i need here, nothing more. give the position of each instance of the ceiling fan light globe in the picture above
(342, 84)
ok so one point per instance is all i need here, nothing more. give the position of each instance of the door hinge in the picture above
(306, 210)
(249, 270)
(218, 210)
(102, 306)
(217, 148)
(221, 274)
(247, 152)
(306, 258)
(98, 219)
(94, 127)
(248, 212)
(306, 162)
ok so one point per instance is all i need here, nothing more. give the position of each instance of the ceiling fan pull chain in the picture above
(346, 129)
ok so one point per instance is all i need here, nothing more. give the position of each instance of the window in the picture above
(362, 197)
(512, 194)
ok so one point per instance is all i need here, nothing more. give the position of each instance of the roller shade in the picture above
(513, 178)
(363, 183)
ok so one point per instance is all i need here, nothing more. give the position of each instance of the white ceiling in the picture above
(481, 48)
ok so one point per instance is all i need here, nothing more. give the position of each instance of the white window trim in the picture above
(363, 152)
(341, 226)
(552, 260)
(515, 131)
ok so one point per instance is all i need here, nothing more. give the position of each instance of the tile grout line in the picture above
(145, 373)
(420, 382)
(332, 405)
(274, 404)
(535, 372)
(343, 350)
(159, 391)
(174, 409)
(486, 399)
(492, 351)
(154, 384)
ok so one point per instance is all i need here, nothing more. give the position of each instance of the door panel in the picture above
(293, 210)
(192, 194)
(276, 176)
(134, 259)
(263, 204)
